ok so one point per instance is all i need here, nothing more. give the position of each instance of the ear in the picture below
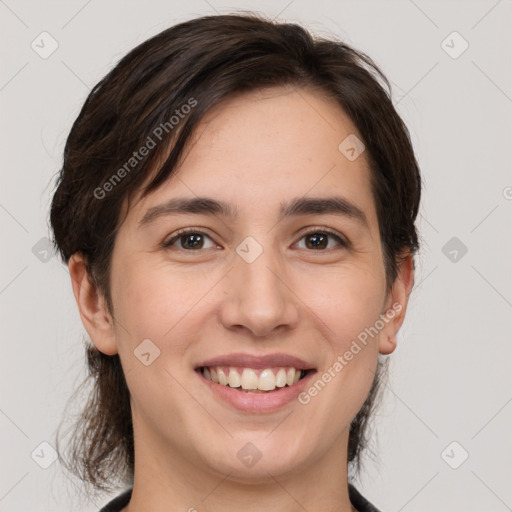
(396, 304)
(92, 307)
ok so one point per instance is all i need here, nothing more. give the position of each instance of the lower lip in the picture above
(257, 402)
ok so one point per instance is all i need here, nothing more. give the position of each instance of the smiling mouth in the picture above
(253, 381)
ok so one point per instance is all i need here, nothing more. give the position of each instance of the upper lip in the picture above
(257, 362)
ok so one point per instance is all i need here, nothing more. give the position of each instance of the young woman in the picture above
(236, 208)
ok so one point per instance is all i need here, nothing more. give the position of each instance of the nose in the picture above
(259, 297)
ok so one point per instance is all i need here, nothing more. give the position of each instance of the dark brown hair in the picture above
(199, 63)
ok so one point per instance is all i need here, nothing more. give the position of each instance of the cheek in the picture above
(347, 300)
(155, 302)
(142, 300)
(349, 306)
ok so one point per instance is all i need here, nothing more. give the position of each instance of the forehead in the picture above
(263, 147)
(274, 122)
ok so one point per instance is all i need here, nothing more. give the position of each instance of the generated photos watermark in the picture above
(342, 360)
(144, 150)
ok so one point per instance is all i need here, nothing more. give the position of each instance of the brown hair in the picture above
(199, 63)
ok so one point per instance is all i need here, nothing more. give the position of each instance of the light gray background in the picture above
(450, 377)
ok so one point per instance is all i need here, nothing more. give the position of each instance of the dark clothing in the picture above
(358, 501)
(118, 503)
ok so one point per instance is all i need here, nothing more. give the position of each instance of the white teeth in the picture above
(267, 380)
(222, 377)
(233, 378)
(281, 378)
(249, 379)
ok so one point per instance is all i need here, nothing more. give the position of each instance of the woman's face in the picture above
(253, 291)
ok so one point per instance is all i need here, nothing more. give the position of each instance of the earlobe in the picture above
(396, 305)
(387, 344)
(92, 307)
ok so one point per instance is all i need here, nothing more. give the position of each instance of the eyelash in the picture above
(167, 244)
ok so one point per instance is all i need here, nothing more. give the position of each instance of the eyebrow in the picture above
(334, 205)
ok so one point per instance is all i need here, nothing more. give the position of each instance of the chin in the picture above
(255, 459)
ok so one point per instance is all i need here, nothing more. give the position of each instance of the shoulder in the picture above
(119, 502)
(359, 501)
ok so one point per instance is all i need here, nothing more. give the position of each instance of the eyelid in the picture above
(344, 242)
(185, 231)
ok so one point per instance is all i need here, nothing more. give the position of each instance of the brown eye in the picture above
(189, 240)
(317, 239)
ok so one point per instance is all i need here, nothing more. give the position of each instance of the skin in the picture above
(254, 151)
